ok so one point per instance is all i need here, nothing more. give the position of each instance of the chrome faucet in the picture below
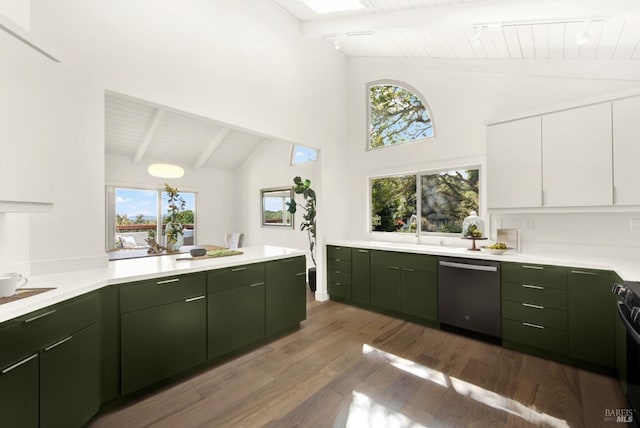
(414, 219)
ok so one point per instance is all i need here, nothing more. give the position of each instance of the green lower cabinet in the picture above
(236, 318)
(360, 276)
(19, 393)
(534, 335)
(420, 294)
(162, 341)
(592, 317)
(70, 380)
(286, 303)
(386, 288)
(621, 353)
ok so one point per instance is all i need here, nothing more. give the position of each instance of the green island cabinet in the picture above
(405, 283)
(235, 308)
(285, 294)
(163, 329)
(49, 366)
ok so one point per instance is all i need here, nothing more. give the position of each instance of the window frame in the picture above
(110, 204)
(283, 189)
(406, 87)
(418, 174)
(293, 154)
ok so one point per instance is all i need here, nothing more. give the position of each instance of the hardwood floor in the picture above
(350, 367)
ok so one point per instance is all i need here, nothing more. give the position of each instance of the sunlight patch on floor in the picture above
(466, 389)
(366, 412)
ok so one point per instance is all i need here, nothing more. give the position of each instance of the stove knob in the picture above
(635, 311)
(619, 290)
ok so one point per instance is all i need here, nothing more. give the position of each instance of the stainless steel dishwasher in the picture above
(469, 294)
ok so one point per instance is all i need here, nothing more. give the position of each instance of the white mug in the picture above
(9, 283)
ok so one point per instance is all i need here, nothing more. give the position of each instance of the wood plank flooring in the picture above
(347, 367)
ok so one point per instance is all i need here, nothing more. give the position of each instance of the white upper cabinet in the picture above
(626, 150)
(577, 157)
(514, 164)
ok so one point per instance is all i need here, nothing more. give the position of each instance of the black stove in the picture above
(629, 313)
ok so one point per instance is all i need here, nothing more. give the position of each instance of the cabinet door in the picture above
(386, 287)
(70, 380)
(577, 157)
(514, 164)
(235, 318)
(162, 341)
(19, 392)
(626, 151)
(420, 294)
(360, 278)
(592, 317)
(286, 303)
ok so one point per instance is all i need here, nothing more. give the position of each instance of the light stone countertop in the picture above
(72, 284)
(628, 269)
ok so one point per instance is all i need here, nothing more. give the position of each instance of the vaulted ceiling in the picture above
(479, 29)
(146, 132)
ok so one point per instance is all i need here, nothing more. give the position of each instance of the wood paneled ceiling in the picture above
(479, 29)
(145, 133)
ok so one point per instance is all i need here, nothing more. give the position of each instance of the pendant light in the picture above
(165, 170)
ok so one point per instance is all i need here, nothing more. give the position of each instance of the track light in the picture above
(475, 40)
(581, 36)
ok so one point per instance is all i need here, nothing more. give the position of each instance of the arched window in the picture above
(397, 114)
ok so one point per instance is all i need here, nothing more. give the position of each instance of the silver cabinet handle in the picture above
(394, 267)
(239, 269)
(363, 251)
(529, 305)
(58, 343)
(468, 266)
(582, 272)
(288, 260)
(408, 270)
(301, 273)
(257, 284)
(37, 317)
(338, 271)
(168, 281)
(338, 283)
(532, 267)
(528, 324)
(193, 299)
(18, 364)
(535, 287)
(338, 260)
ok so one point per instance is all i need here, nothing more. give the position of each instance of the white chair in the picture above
(233, 240)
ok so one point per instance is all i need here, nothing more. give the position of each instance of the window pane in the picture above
(187, 215)
(136, 215)
(302, 154)
(447, 198)
(393, 203)
(396, 116)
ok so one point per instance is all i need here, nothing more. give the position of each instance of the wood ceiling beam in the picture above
(213, 145)
(465, 15)
(152, 127)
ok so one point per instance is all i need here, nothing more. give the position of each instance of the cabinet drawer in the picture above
(535, 294)
(532, 335)
(421, 262)
(286, 267)
(28, 334)
(533, 274)
(535, 314)
(336, 276)
(160, 291)
(341, 253)
(339, 289)
(339, 265)
(235, 277)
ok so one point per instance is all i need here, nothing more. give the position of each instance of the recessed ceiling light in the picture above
(328, 6)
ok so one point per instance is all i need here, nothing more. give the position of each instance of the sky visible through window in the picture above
(302, 154)
(134, 202)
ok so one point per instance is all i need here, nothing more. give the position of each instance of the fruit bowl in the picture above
(497, 248)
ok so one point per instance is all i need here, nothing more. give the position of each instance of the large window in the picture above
(132, 216)
(444, 198)
(397, 114)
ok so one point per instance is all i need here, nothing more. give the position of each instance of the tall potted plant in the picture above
(309, 224)
(176, 204)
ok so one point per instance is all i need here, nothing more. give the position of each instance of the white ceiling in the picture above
(531, 29)
(147, 132)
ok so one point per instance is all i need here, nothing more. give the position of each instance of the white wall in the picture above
(462, 102)
(216, 198)
(242, 62)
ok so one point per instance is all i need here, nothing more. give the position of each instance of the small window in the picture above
(274, 207)
(397, 114)
(302, 154)
(446, 198)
